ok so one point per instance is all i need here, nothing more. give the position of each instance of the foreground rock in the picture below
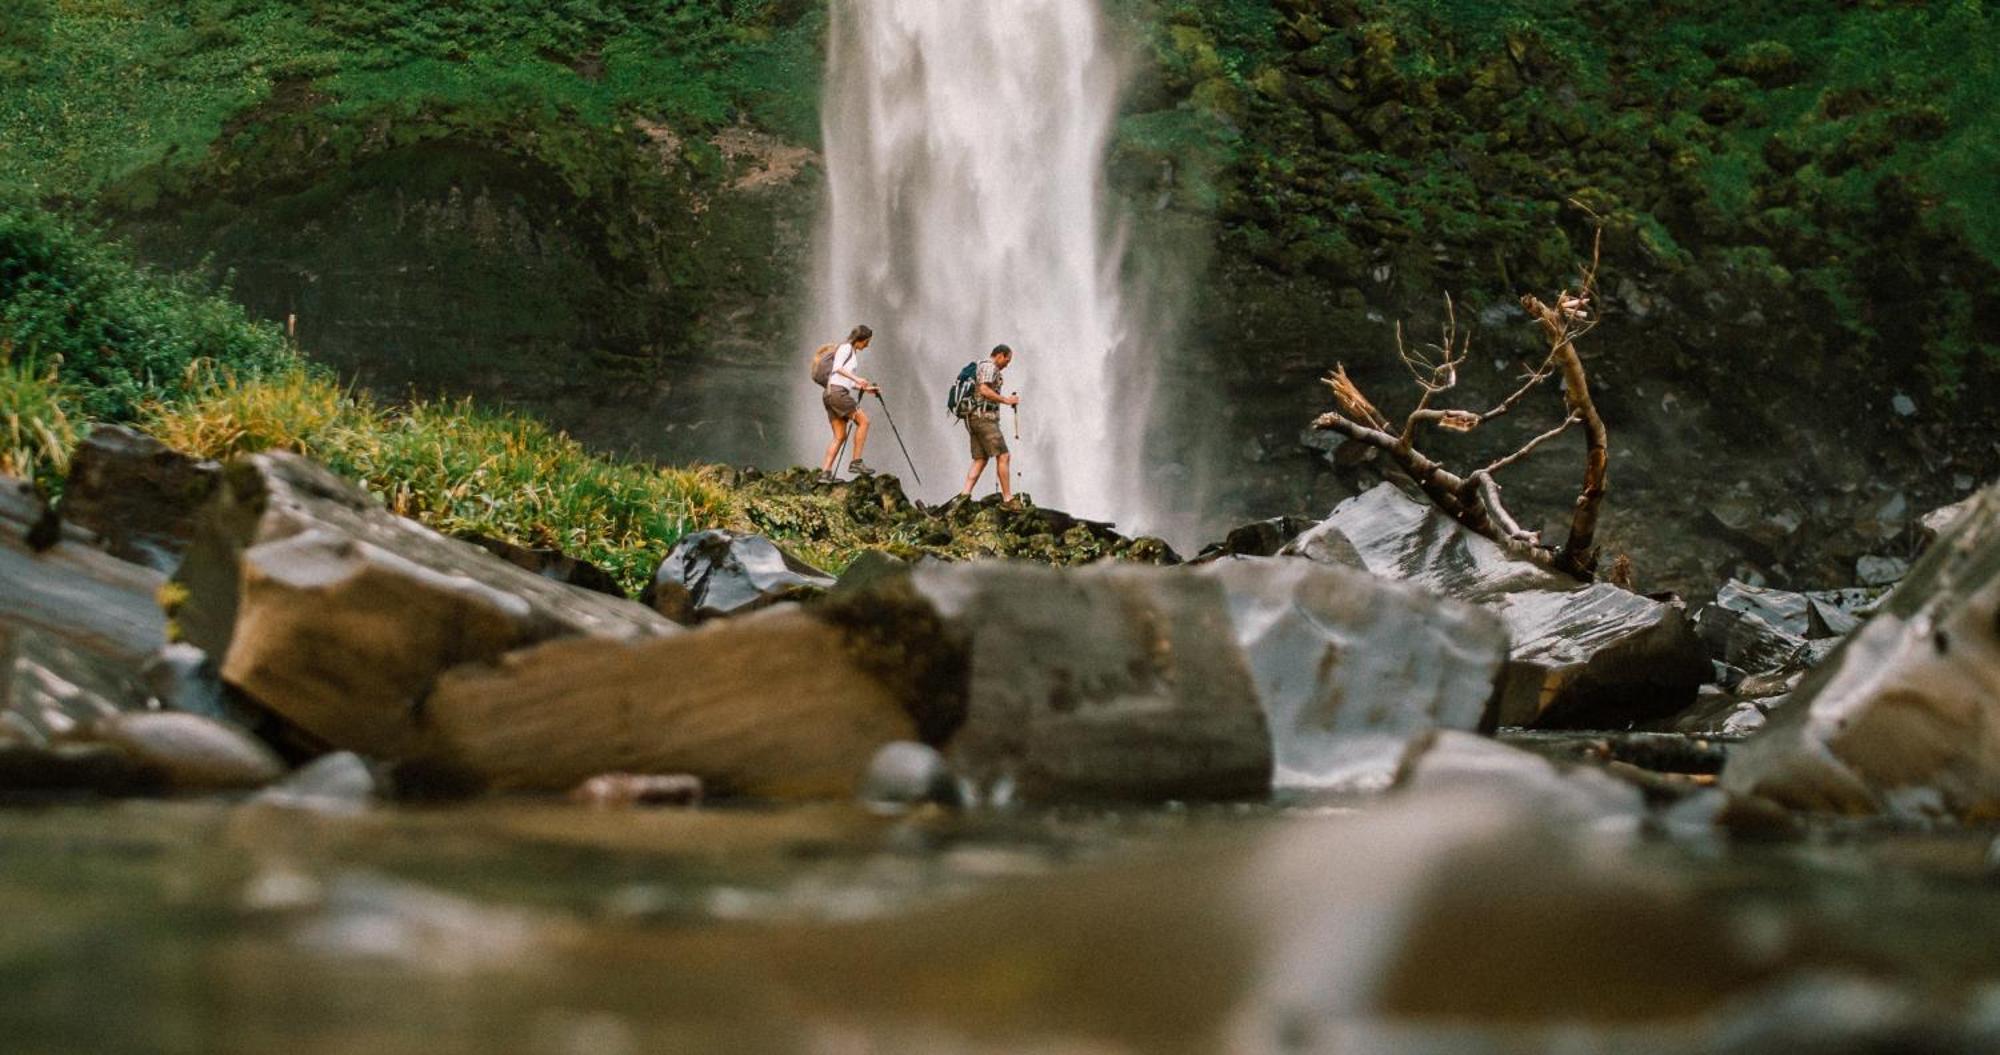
(1905, 717)
(1582, 655)
(73, 592)
(139, 495)
(551, 564)
(339, 616)
(712, 574)
(772, 705)
(1109, 683)
(1352, 670)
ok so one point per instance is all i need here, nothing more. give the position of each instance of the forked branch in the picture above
(1474, 499)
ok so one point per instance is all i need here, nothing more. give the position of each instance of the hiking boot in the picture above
(825, 477)
(858, 468)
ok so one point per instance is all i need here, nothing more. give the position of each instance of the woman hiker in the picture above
(842, 399)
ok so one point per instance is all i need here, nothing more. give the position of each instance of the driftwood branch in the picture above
(1474, 499)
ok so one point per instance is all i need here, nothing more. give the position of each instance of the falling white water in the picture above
(965, 147)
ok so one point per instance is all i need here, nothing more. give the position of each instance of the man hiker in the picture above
(982, 422)
(842, 399)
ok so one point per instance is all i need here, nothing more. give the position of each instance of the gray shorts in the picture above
(840, 403)
(987, 441)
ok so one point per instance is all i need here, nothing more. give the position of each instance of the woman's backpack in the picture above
(822, 364)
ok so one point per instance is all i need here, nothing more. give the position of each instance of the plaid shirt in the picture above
(989, 375)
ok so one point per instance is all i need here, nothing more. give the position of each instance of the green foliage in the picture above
(123, 85)
(1856, 142)
(24, 34)
(38, 427)
(116, 334)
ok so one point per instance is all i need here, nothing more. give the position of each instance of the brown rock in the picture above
(339, 615)
(770, 705)
(138, 494)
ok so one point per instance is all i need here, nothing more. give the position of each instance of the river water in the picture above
(205, 926)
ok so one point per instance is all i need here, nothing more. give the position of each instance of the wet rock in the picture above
(51, 693)
(339, 615)
(1112, 683)
(139, 495)
(1904, 718)
(624, 790)
(551, 564)
(1877, 570)
(870, 569)
(181, 677)
(1263, 538)
(771, 705)
(190, 752)
(908, 774)
(1352, 669)
(712, 574)
(1468, 764)
(1754, 628)
(341, 782)
(71, 591)
(1933, 525)
(1582, 654)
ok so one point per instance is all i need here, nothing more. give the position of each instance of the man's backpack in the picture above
(958, 402)
(822, 364)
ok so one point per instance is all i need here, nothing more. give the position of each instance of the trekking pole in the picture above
(1017, 412)
(898, 433)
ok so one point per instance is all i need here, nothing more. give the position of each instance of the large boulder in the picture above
(772, 705)
(138, 494)
(1110, 683)
(1583, 654)
(72, 591)
(339, 616)
(1353, 670)
(1904, 718)
(711, 574)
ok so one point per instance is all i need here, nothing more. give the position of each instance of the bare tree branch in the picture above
(1474, 500)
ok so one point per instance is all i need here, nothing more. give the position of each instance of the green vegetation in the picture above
(106, 88)
(1434, 142)
(117, 335)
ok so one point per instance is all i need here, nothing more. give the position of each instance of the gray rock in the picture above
(1467, 764)
(73, 592)
(341, 782)
(1108, 683)
(1352, 669)
(905, 774)
(1904, 717)
(1877, 570)
(712, 574)
(868, 570)
(1263, 538)
(138, 494)
(1932, 525)
(339, 616)
(1582, 654)
(51, 693)
(190, 752)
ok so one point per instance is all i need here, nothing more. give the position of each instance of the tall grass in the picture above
(454, 466)
(37, 424)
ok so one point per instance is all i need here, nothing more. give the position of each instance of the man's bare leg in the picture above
(1006, 477)
(972, 477)
(860, 433)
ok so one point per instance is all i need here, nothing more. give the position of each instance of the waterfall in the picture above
(965, 148)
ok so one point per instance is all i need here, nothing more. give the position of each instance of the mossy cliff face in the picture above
(597, 211)
(1795, 234)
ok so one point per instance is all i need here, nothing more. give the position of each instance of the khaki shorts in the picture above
(840, 403)
(987, 442)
